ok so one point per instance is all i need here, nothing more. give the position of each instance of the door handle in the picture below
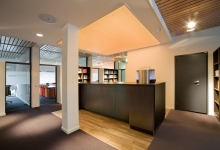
(196, 82)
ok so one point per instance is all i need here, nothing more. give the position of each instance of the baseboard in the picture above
(3, 114)
(70, 131)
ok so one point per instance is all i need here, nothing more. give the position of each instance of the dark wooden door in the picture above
(191, 82)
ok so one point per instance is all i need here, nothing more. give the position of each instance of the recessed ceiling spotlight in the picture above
(191, 24)
(47, 18)
(189, 30)
(40, 35)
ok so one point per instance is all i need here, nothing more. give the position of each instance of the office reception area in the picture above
(109, 74)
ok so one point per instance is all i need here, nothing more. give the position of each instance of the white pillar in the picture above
(2, 88)
(70, 106)
(59, 84)
(35, 77)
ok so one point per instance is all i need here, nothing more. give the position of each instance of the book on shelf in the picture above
(115, 72)
(84, 71)
(79, 70)
(105, 80)
(85, 76)
(106, 71)
(105, 76)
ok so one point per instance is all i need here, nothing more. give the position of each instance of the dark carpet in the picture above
(15, 105)
(183, 130)
(44, 100)
(39, 129)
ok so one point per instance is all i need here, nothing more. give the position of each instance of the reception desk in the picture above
(141, 105)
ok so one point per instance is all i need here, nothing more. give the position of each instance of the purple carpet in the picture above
(183, 130)
(39, 129)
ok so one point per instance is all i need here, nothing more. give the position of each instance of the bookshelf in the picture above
(216, 65)
(108, 75)
(83, 74)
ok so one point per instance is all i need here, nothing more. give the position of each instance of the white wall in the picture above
(47, 77)
(161, 58)
(2, 88)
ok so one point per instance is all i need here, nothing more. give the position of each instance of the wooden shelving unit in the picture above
(84, 74)
(108, 75)
(216, 68)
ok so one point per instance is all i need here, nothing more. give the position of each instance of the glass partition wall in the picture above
(17, 86)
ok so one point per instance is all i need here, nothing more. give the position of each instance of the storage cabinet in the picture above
(83, 74)
(90, 98)
(216, 65)
(108, 100)
(122, 99)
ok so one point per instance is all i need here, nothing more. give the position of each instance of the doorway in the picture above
(17, 88)
(47, 88)
(191, 82)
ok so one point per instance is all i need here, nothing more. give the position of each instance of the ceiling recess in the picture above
(47, 18)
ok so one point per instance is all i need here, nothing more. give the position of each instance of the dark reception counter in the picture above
(141, 105)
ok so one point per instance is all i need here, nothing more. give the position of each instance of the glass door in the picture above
(17, 86)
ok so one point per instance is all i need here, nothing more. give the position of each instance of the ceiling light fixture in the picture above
(40, 35)
(191, 24)
(189, 30)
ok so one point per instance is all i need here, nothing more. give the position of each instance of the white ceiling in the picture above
(19, 18)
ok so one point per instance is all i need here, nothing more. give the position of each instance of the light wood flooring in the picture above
(113, 132)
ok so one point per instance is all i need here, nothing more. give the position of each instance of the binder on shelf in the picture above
(84, 71)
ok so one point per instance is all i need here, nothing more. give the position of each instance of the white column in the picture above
(2, 88)
(70, 106)
(59, 84)
(35, 77)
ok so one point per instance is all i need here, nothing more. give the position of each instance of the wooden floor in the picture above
(116, 133)
(113, 132)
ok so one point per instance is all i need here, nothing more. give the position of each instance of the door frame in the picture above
(30, 79)
(55, 77)
(206, 78)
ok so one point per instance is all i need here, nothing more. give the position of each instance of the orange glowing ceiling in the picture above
(118, 31)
